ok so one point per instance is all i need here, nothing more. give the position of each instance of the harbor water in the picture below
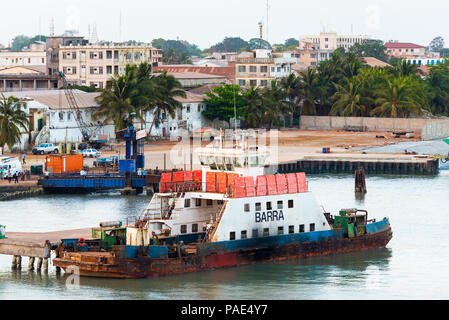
(413, 266)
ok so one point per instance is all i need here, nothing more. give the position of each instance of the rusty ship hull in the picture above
(214, 255)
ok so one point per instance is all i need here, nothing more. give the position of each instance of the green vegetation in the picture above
(128, 96)
(176, 51)
(12, 120)
(19, 42)
(343, 86)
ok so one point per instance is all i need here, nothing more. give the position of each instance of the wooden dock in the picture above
(37, 245)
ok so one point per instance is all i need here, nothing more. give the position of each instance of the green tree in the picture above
(399, 98)
(311, 91)
(220, 102)
(404, 68)
(370, 48)
(349, 99)
(292, 88)
(12, 120)
(274, 102)
(291, 42)
(20, 42)
(438, 82)
(234, 44)
(253, 111)
(436, 44)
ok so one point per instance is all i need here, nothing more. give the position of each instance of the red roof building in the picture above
(405, 49)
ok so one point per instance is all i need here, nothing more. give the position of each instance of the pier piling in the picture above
(31, 264)
(39, 264)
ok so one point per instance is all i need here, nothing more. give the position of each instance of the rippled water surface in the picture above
(413, 266)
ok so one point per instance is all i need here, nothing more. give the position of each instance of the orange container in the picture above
(262, 186)
(211, 182)
(280, 182)
(64, 164)
(239, 187)
(221, 182)
(231, 179)
(271, 185)
(302, 183)
(166, 184)
(250, 189)
(292, 185)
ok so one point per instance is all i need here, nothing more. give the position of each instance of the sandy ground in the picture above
(292, 145)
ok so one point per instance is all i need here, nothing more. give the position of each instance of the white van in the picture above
(11, 165)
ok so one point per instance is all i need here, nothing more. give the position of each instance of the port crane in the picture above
(88, 131)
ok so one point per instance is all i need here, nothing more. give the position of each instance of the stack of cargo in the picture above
(181, 181)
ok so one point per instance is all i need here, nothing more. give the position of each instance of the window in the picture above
(301, 228)
(280, 205)
(209, 203)
(69, 116)
(109, 69)
(61, 116)
(269, 207)
(74, 56)
(242, 69)
(188, 108)
(186, 203)
(198, 202)
(184, 229)
(253, 83)
(280, 231)
(291, 229)
(242, 83)
(263, 83)
(232, 236)
(258, 207)
(266, 232)
(290, 204)
(199, 108)
(252, 69)
(194, 228)
(263, 69)
(312, 227)
(255, 233)
(108, 54)
(100, 70)
(243, 235)
(246, 207)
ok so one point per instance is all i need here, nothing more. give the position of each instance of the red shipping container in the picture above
(239, 187)
(198, 179)
(231, 179)
(165, 185)
(221, 182)
(262, 186)
(64, 164)
(302, 182)
(292, 184)
(250, 188)
(211, 182)
(281, 184)
(271, 185)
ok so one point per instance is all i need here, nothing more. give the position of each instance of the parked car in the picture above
(46, 148)
(106, 162)
(92, 153)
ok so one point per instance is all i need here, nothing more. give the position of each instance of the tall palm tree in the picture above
(292, 88)
(311, 91)
(274, 102)
(349, 99)
(253, 111)
(116, 102)
(168, 88)
(404, 68)
(12, 120)
(398, 98)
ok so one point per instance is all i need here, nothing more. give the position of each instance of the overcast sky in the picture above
(206, 22)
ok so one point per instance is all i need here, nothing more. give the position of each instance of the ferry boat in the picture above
(230, 213)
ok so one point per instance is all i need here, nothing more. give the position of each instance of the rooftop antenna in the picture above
(52, 27)
(94, 35)
(268, 12)
(261, 32)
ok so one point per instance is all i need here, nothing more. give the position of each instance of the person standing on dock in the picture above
(23, 158)
(16, 178)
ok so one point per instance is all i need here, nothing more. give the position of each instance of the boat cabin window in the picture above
(280, 205)
(269, 207)
(232, 236)
(194, 228)
(280, 231)
(266, 232)
(290, 204)
(255, 233)
(220, 202)
(209, 202)
(301, 228)
(184, 229)
(246, 207)
(198, 202)
(258, 207)
(312, 227)
(291, 229)
(243, 234)
(186, 203)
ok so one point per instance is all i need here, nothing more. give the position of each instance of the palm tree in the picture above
(292, 88)
(168, 88)
(253, 110)
(311, 91)
(12, 120)
(404, 68)
(274, 103)
(116, 102)
(349, 99)
(398, 98)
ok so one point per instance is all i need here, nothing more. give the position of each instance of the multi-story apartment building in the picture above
(95, 64)
(405, 50)
(260, 67)
(52, 47)
(33, 57)
(328, 42)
